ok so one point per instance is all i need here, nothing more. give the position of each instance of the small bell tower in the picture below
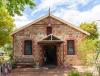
(49, 20)
(49, 26)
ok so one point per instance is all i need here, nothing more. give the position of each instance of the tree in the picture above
(91, 45)
(16, 6)
(6, 26)
(91, 28)
(8, 49)
(87, 49)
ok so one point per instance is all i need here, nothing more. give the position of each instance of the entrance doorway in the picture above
(50, 56)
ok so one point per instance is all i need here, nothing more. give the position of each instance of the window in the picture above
(70, 47)
(49, 30)
(28, 47)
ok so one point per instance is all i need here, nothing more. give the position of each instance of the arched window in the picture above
(28, 47)
(49, 30)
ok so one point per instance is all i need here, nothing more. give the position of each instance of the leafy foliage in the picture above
(91, 28)
(74, 73)
(87, 45)
(6, 26)
(87, 74)
(87, 50)
(8, 49)
(1, 59)
(90, 45)
(14, 65)
(16, 6)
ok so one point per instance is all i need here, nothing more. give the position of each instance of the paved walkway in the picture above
(39, 72)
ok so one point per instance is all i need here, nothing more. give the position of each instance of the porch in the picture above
(43, 71)
(51, 50)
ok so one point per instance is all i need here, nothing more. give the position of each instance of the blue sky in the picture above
(73, 11)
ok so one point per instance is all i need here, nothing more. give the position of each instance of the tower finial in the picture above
(49, 11)
(49, 20)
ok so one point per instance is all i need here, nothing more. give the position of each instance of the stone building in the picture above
(48, 40)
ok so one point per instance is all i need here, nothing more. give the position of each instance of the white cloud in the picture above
(71, 4)
(83, 1)
(21, 20)
(45, 4)
(72, 14)
(76, 17)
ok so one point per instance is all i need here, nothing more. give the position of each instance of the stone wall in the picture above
(37, 32)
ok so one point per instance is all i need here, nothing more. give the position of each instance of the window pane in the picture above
(28, 47)
(70, 47)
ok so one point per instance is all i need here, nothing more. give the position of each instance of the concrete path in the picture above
(39, 72)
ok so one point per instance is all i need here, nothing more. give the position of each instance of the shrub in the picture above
(13, 64)
(98, 68)
(1, 60)
(87, 74)
(73, 73)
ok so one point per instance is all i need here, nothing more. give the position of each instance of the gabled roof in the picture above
(59, 19)
(50, 39)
